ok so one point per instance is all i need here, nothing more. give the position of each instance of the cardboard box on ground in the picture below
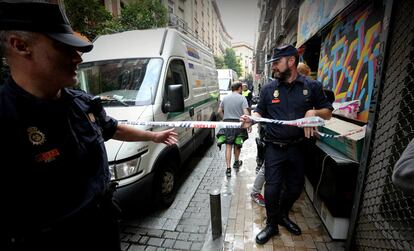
(351, 145)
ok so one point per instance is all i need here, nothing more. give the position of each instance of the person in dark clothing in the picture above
(330, 95)
(403, 173)
(291, 96)
(305, 70)
(56, 190)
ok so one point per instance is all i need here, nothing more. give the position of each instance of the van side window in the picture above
(176, 75)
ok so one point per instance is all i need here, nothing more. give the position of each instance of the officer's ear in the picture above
(18, 45)
(291, 61)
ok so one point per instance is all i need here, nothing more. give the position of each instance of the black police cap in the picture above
(46, 18)
(283, 51)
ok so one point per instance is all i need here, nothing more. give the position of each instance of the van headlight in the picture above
(125, 169)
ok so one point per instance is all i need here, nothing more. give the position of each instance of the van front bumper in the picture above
(136, 194)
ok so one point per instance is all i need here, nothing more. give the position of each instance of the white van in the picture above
(152, 75)
(226, 78)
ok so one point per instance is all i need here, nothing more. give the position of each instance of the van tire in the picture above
(211, 137)
(165, 185)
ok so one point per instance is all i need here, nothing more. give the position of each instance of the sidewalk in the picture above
(186, 224)
(245, 218)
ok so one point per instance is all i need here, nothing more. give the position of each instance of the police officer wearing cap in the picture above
(55, 191)
(291, 96)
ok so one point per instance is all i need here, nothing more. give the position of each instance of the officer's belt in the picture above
(283, 142)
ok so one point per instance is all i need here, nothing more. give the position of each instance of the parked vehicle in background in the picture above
(152, 75)
(226, 78)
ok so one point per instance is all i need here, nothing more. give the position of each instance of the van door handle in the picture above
(191, 111)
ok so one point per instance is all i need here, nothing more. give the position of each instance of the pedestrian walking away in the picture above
(56, 191)
(231, 108)
(291, 96)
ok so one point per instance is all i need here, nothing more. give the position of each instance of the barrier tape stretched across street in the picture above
(303, 122)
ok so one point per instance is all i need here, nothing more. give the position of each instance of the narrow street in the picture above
(89, 88)
(186, 224)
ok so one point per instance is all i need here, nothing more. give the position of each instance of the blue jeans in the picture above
(259, 181)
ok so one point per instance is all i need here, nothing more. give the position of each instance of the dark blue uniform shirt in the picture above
(53, 158)
(285, 101)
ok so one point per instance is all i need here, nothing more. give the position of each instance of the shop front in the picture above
(341, 42)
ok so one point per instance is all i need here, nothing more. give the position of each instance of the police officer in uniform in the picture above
(55, 191)
(291, 96)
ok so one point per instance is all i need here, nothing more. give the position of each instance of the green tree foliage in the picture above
(231, 61)
(88, 17)
(219, 60)
(143, 14)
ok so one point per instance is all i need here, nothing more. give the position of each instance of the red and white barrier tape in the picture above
(303, 122)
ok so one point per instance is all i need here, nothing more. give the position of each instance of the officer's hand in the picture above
(246, 121)
(309, 131)
(168, 137)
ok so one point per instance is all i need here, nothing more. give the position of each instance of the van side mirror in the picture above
(174, 101)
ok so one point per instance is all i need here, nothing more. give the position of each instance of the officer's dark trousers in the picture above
(93, 228)
(284, 175)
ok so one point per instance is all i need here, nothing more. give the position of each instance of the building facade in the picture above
(277, 26)
(245, 53)
(199, 18)
(203, 19)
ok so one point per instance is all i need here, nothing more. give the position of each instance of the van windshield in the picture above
(121, 82)
(224, 84)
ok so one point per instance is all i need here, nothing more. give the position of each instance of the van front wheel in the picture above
(165, 187)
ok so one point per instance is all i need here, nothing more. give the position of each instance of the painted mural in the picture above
(348, 58)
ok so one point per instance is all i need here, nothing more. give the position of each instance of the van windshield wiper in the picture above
(109, 99)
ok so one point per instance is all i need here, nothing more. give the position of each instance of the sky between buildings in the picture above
(240, 17)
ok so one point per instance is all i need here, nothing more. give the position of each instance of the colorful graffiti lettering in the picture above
(348, 58)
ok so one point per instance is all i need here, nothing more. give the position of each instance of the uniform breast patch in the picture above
(36, 137)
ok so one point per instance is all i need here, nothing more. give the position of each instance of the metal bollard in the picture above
(215, 210)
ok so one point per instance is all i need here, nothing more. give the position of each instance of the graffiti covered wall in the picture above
(348, 58)
(314, 14)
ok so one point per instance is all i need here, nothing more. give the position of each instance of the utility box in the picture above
(350, 145)
(330, 184)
